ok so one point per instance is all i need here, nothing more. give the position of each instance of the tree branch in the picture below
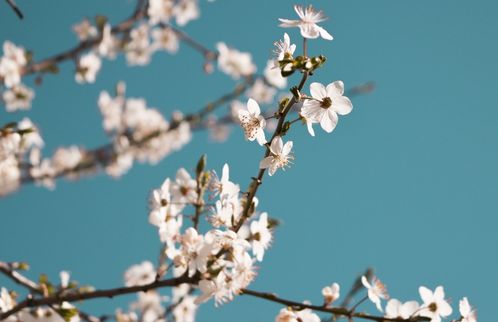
(339, 311)
(105, 293)
(12, 4)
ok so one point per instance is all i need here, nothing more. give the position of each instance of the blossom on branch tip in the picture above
(435, 306)
(309, 18)
(326, 104)
(253, 122)
(279, 157)
(466, 311)
(396, 309)
(331, 293)
(376, 291)
(284, 49)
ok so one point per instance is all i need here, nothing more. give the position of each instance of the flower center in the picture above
(326, 102)
(433, 307)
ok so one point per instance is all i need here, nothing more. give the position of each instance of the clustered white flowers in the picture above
(219, 252)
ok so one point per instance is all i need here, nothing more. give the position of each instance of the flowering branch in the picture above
(105, 293)
(338, 311)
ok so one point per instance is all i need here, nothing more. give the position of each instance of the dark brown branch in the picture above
(338, 311)
(106, 293)
(12, 4)
(8, 269)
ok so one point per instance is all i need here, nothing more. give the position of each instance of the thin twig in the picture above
(12, 4)
(340, 311)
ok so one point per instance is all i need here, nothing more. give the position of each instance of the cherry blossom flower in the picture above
(260, 236)
(331, 293)
(184, 189)
(140, 274)
(138, 50)
(88, 67)
(18, 97)
(160, 10)
(67, 158)
(308, 23)
(85, 30)
(327, 102)
(376, 291)
(284, 49)
(185, 11)
(109, 45)
(233, 62)
(253, 122)
(435, 306)
(279, 157)
(273, 75)
(289, 315)
(466, 311)
(6, 301)
(165, 38)
(223, 187)
(396, 309)
(186, 309)
(261, 92)
(64, 277)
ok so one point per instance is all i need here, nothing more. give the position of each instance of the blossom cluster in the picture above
(224, 257)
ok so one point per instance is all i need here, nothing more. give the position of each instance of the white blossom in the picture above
(85, 30)
(109, 45)
(327, 102)
(261, 92)
(435, 306)
(88, 67)
(396, 309)
(260, 236)
(160, 10)
(376, 291)
(18, 97)
(331, 293)
(284, 49)
(185, 11)
(165, 38)
(233, 62)
(279, 157)
(140, 274)
(309, 18)
(273, 75)
(466, 311)
(253, 122)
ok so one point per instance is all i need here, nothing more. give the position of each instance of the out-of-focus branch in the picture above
(105, 293)
(12, 4)
(9, 270)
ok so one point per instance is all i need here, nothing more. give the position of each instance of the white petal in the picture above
(444, 308)
(260, 137)
(324, 34)
(342, 105)
(318, 91)
(276, 145)
(309, 30)
(253, 107)
(287, 148)
(309, 125)
(335, 89)
(425, 294)
(265, 163)
(286, 23)
(329, 121)
(225, 173)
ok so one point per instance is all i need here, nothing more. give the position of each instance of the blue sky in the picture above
(407, 183)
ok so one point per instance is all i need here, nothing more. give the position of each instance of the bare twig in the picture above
(12, 4)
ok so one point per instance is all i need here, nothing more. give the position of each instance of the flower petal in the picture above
(324, 33)
(287, 148)
(342, 105)
(253, 107)
(318, 91)
(329, 121)
(335, 89)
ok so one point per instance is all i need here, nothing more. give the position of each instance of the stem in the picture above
(109, 293)
(15, 8)
(340, 311)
